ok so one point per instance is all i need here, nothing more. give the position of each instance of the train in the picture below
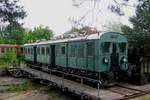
(9, 47)
(102, 56)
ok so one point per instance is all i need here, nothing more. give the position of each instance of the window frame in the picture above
(63, 50)
(124, 48)
(105, 47)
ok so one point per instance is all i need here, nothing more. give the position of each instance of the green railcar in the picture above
(99, 55)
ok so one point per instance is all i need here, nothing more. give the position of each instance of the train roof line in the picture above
(86, 37)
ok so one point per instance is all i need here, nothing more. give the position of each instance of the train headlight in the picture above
(124, 59)
(105, 60)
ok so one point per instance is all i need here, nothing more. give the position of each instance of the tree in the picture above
(38, 33)
(12, 34)
(10, 11)
(140, 32)
(141, 21)
(15, 33)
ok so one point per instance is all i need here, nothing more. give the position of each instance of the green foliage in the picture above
(139, 35)
(12, 34)
(37, 34)
(9, 57)
(141, 21)
(10, 13)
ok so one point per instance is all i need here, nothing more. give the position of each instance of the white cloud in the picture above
(55, 14)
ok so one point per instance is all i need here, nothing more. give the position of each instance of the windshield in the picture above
(122, 47)
(106, 47)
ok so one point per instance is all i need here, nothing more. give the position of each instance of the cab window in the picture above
(122, 47)
(106, 47)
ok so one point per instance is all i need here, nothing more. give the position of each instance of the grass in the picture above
(22, 86)
(3, 64)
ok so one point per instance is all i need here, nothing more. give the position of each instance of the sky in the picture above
(56, 14)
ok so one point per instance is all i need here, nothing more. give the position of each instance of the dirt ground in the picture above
(36, 92)
(32, 93)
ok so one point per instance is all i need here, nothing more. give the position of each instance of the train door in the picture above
(35, 54)
(53, 55)
(114, 58)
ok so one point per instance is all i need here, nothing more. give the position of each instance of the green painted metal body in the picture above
(29, 54)
(86, 54)
(43, 56)
(61, 55)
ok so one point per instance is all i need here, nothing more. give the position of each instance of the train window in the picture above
(2, 50)
(57, 51)
(106, 47)
(47, 50)
(80, 51)
(63, 50)
(28, 51)
(31, 50)
(7, 50)
(43, 51)
(11, 49)
(122, 47)
(38, 51)
(24, 49)
(90, 49)
(72, 50)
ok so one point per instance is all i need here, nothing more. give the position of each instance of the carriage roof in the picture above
(86, 37)
(9, 46)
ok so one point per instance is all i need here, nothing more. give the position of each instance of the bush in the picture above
(9, 57)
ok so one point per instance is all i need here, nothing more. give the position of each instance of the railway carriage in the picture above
(30, 55)
(101, 56)
(8, 47)
(42, 54)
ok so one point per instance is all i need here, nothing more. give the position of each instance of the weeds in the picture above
(21, 87)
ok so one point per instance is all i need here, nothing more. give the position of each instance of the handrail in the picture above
(77, 76)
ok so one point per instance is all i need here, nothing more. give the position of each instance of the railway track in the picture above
(127, 92)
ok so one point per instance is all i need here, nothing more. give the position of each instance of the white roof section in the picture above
(87, 37)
